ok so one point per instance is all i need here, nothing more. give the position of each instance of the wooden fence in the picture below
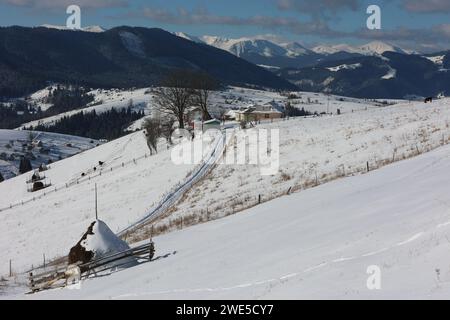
(58, 276)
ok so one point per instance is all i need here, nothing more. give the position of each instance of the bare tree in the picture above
(175, 94)
(167, 129)
(221, 112)
(203, 85)
(153, 132)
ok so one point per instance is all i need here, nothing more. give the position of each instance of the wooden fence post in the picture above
(368, 169)
(10, 268)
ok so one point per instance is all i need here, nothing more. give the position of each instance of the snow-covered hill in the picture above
(317, 150)
(38, 147)
(104, 100)
(229, 98)
(318, 243)
(52, 220)
(322, 238)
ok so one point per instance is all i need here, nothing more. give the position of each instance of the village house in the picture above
(207, 125)
(258, 113)
(192, 115)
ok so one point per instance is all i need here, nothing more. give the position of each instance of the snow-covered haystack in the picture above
(99, 241)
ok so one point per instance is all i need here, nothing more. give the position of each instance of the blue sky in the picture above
(414, 24)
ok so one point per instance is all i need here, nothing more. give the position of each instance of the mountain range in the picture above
(374, 70)
(275, 54)
(125, 57)
(121, 57)
(390, 75)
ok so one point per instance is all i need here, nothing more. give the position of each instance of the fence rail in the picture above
(58, 276)
(75, 182)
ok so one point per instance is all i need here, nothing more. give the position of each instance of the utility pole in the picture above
(328, 103)
(96, 206)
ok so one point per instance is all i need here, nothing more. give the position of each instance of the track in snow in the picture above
(177, 192)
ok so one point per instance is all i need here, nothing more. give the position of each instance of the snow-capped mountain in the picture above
(371, 48)
(296, 49)
(275, 55)
(331, 49)
(267, 48)
(189, 37)
(96, 29)
(119, 57)
(244, 46)
(388, 75)
(378, 47)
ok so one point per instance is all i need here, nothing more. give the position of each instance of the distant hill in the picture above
(390, 75)
(38, 147)
(119, 57)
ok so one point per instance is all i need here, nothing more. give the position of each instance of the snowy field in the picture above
(54, 222)
(313, 244)
(104, 100)
(43, 147)
(321, 238)
(229, 98)
(315, 151)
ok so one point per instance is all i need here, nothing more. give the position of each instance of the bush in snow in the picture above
(153, 132)
(25, 165)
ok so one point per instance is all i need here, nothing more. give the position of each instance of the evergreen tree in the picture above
(25, 165)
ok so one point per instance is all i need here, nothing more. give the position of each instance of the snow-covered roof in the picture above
(265, 109)
(212, 121)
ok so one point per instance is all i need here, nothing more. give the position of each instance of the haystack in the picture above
(99, 241)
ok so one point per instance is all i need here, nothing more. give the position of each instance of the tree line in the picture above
(179, 90)
(109, 125)
(182, 89)
(62, 99)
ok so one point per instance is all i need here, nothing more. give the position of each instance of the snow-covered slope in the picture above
(267, 48)
(250, 45)
(371, 48)
(378, 47)
(105, 100)
(316, 150)
(315, 244)
(38, 147)
(242, 46)
(229, 98)
(128, 185)
(330, 49)
(95, 29)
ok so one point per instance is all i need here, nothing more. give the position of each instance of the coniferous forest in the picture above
(61, 98)
(108, 125)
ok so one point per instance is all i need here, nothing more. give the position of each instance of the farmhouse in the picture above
(258, 113)
(206, 125)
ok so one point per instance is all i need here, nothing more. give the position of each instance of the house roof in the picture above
(255, 109)
(212, 121)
